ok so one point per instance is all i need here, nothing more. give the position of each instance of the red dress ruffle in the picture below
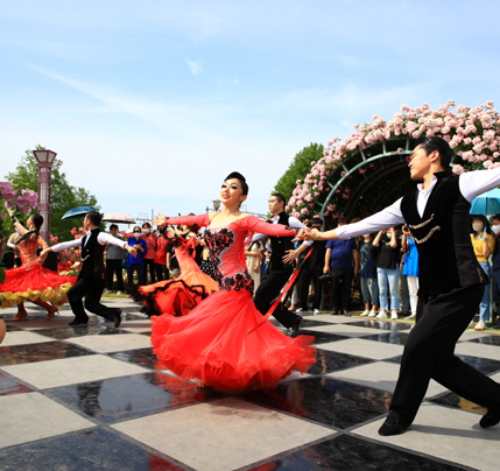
(177, 297)
(226, 344)
(34, 282)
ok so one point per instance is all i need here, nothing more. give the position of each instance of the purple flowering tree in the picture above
(22, 202)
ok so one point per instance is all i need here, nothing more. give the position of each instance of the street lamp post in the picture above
(44, 158)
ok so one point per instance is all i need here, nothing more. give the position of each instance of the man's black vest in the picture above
(279, 245)
(446, 257)
(92, 256)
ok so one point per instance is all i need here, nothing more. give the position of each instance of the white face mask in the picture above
(146, 231)
(496, 229)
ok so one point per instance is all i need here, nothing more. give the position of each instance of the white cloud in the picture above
(353, 100)
(195, 67)
(173, 161)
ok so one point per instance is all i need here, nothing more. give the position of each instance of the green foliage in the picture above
(63, 195)
(299, 168)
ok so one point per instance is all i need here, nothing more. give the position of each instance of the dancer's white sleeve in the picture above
(388, 217)
(66, 245)
(477, 182)
(104, 238)
(295, 223)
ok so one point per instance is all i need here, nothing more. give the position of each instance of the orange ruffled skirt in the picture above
(226, 344)
(34, 282)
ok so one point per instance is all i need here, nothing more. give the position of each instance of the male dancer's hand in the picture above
(290, 256)
(308, 234)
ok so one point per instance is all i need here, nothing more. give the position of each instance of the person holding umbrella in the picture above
(90, 282)
(483, 243)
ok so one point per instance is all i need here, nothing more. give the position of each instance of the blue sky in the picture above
(150, 104)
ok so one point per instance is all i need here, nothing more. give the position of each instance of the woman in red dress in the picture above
(31, 281)
(225, 342)
(178, 296)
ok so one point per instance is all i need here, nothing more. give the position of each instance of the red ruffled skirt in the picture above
(34, 282)
(179, 296)
(225, 343)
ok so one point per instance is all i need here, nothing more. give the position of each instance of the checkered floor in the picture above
(93, 399)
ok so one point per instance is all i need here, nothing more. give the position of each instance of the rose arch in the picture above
(368, 170)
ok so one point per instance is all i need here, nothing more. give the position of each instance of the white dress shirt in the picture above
(471, 184)
(103, 238)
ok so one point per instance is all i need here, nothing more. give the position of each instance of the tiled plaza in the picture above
(94, 398)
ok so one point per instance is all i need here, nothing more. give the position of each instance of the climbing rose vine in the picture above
(473, 133)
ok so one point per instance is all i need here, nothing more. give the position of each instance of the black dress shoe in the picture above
(79, 321)
(295, 327)
(117, 318)
(491, 418)
(393, 425)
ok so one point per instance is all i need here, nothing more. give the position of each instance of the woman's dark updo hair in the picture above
(442, 147)
(95, 217)
(37, 222)
(238, 176)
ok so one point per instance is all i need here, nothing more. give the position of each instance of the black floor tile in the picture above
(453, 400)
(326, 400)
(349, 453)
(490, 340)
(381, 325)
(397, 337)
(18, 354)
(306, 322)
(132, 316)
(484, 365)
(142, 357)
(127, 397)
(9, 385)
(322, 337)
(12, 327)
(90, 450)
(68, 332)
(328, 362)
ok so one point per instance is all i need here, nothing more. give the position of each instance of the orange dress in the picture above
(31, 281)
(225, 342)
(178, 296)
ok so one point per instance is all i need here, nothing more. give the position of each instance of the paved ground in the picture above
(93, 399)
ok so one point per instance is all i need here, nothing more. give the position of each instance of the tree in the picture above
(299, 168)
(63, 195)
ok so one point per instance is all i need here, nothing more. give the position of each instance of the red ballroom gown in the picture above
(31, 281)
(225, 342)
(178, 296)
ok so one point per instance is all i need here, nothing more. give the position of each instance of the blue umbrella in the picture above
(486, 204)
(79, 211)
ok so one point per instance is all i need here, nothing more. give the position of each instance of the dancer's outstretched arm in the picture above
(254, 224)
(388, 217)
(477, 182)
(471, 184)
(61, 246)
(103, 238)
(199, 220)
